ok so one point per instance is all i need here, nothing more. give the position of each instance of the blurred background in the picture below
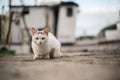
(89, 31)
(88, 25)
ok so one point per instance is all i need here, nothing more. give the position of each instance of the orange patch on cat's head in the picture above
(46, 30)
(34, 30)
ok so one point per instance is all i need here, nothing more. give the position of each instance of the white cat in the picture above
(44, 44)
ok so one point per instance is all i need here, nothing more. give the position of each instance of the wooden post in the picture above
(10, 20)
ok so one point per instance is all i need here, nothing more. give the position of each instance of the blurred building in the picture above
(112, 32)
(108, 40)
(60, 18)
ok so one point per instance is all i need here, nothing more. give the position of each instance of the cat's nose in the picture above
(40, 43)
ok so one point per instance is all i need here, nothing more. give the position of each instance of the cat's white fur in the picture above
(48, 47)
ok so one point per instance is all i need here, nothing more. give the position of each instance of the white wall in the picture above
(35, 18)
(66, 25)
(118, 26)
(23, 49)
(112, 34)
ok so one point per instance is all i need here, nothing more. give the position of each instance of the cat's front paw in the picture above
(36, 57)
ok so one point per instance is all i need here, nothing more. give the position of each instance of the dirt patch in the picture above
(77, 58)
(69, 67)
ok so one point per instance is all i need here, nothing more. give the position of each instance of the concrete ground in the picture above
(72, 66)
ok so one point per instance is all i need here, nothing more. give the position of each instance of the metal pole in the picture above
(27, 30)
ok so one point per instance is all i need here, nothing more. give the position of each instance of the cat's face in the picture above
(40, 37)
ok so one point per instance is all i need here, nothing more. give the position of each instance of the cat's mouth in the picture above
(40, 43)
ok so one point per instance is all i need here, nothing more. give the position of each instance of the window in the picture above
(69, 12)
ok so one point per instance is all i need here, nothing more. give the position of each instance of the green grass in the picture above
(7, 52)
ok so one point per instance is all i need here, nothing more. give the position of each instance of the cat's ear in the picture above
(34, 30)
(46, 30)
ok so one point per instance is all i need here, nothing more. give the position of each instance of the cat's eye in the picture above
(43, 38)
(36, 38)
